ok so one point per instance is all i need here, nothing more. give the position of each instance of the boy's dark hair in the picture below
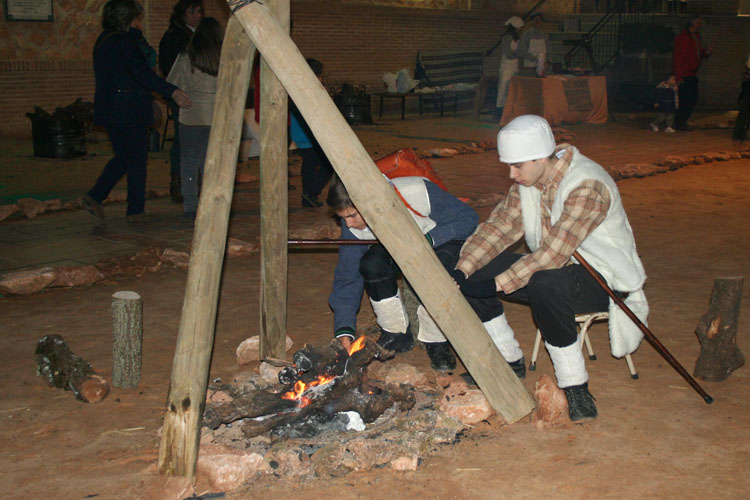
(179, 9)
(338, 196)
(315, 65)
(204, 47)
(118, 14)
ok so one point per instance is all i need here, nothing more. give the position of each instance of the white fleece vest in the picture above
(414, 191)
(609, 248)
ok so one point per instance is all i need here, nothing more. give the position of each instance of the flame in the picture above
(357, 345)
(300, 387)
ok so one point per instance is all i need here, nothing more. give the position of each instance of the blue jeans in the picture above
(193, 149)
(130, 147)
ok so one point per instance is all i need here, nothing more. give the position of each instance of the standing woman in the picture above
(123, 105)
(186, 14)
(196, 70)
(509, 62)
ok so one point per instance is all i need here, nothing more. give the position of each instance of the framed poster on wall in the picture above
(28, 10)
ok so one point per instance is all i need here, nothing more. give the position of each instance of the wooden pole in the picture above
(127, 326)
(386, 215)
(178, 452)
(274, 203)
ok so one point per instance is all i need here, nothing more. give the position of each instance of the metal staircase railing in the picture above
(601, 45)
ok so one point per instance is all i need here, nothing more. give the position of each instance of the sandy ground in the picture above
(654, 438)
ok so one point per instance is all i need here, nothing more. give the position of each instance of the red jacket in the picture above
(687, 54)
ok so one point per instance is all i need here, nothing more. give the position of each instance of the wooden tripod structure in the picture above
(265, 26)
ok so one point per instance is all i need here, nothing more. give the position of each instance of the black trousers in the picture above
(381, 272)
(555, 296)
(316, 170)
(743, 118)
(688, 94)
(130, 148)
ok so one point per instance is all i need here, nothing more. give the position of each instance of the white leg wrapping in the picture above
(570, 369)
(428, 329)
(390, 314)
(502, 335)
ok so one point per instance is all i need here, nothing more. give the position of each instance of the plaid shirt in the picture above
(584, 209)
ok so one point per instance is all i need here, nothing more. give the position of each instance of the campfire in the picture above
(323, 381)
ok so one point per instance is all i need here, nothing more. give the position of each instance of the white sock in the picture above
(428, 329)
(502, 335)
(570, 369)
(390, 314)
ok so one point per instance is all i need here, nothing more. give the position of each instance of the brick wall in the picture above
(49, 64)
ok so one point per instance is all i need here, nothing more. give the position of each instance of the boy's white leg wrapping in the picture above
(570, 369)
(428, 329)
(390, 314)
(502, 335)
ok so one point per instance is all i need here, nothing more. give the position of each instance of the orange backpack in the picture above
(406, 163)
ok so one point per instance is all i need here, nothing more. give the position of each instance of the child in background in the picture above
(316, 169)
(666, 104)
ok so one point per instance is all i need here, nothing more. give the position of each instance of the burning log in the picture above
(324, 381)
(66, 370)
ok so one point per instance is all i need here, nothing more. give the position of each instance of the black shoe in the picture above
(581, 406)
(175, 188)
(311, 201)
(93, 207)
(441, 356)
(396, 342)
(519, 367)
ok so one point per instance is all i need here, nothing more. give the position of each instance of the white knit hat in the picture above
(525, 138)
(514, 21)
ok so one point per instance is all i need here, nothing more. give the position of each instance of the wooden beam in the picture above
(386, 215)
(178, 452)
(274, 203)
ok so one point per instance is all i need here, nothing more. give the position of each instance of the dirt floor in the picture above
(654, 438)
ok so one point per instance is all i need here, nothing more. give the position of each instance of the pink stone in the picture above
(216, 397)
(269, 373)
(7, 210)
(401, 373)
(229, 468)
(551, 404)
(176, 258)
(293, 463)
(30, 207)
(408, 462)
(239, 248)
(467, 405)
(69, 276)
(157, 487)
(27, 282)
(53, 205)
(248, 350)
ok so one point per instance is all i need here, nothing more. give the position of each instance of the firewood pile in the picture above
(327, 416)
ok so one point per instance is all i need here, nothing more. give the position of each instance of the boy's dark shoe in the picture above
(581, 406)
(396, 342)
(441, 356)
(519, 367)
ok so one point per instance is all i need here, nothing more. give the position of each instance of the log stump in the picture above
(66, 370)
(127, 344)
(717, 332)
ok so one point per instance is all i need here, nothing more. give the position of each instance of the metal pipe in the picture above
(303, 243)
(650, 337)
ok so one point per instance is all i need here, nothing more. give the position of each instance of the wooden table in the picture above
(558, 99)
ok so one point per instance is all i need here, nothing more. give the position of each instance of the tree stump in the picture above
(66, 370)
(127, 325)
(717, 332)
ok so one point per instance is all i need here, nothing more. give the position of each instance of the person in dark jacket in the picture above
(687, 55)
(123, 105)
(186, 14)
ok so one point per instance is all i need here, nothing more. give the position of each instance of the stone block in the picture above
(27, 281)
(467, 405)
(248, 350)
(176, 258)
(229, 468)
(30, 207)
(551, 404)
(239, 248)
(70, 276)
(406, 462)
(7, 210)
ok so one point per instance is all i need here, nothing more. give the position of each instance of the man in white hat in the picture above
(561, 202)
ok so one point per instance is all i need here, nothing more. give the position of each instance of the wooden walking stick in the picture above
(650, 337)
